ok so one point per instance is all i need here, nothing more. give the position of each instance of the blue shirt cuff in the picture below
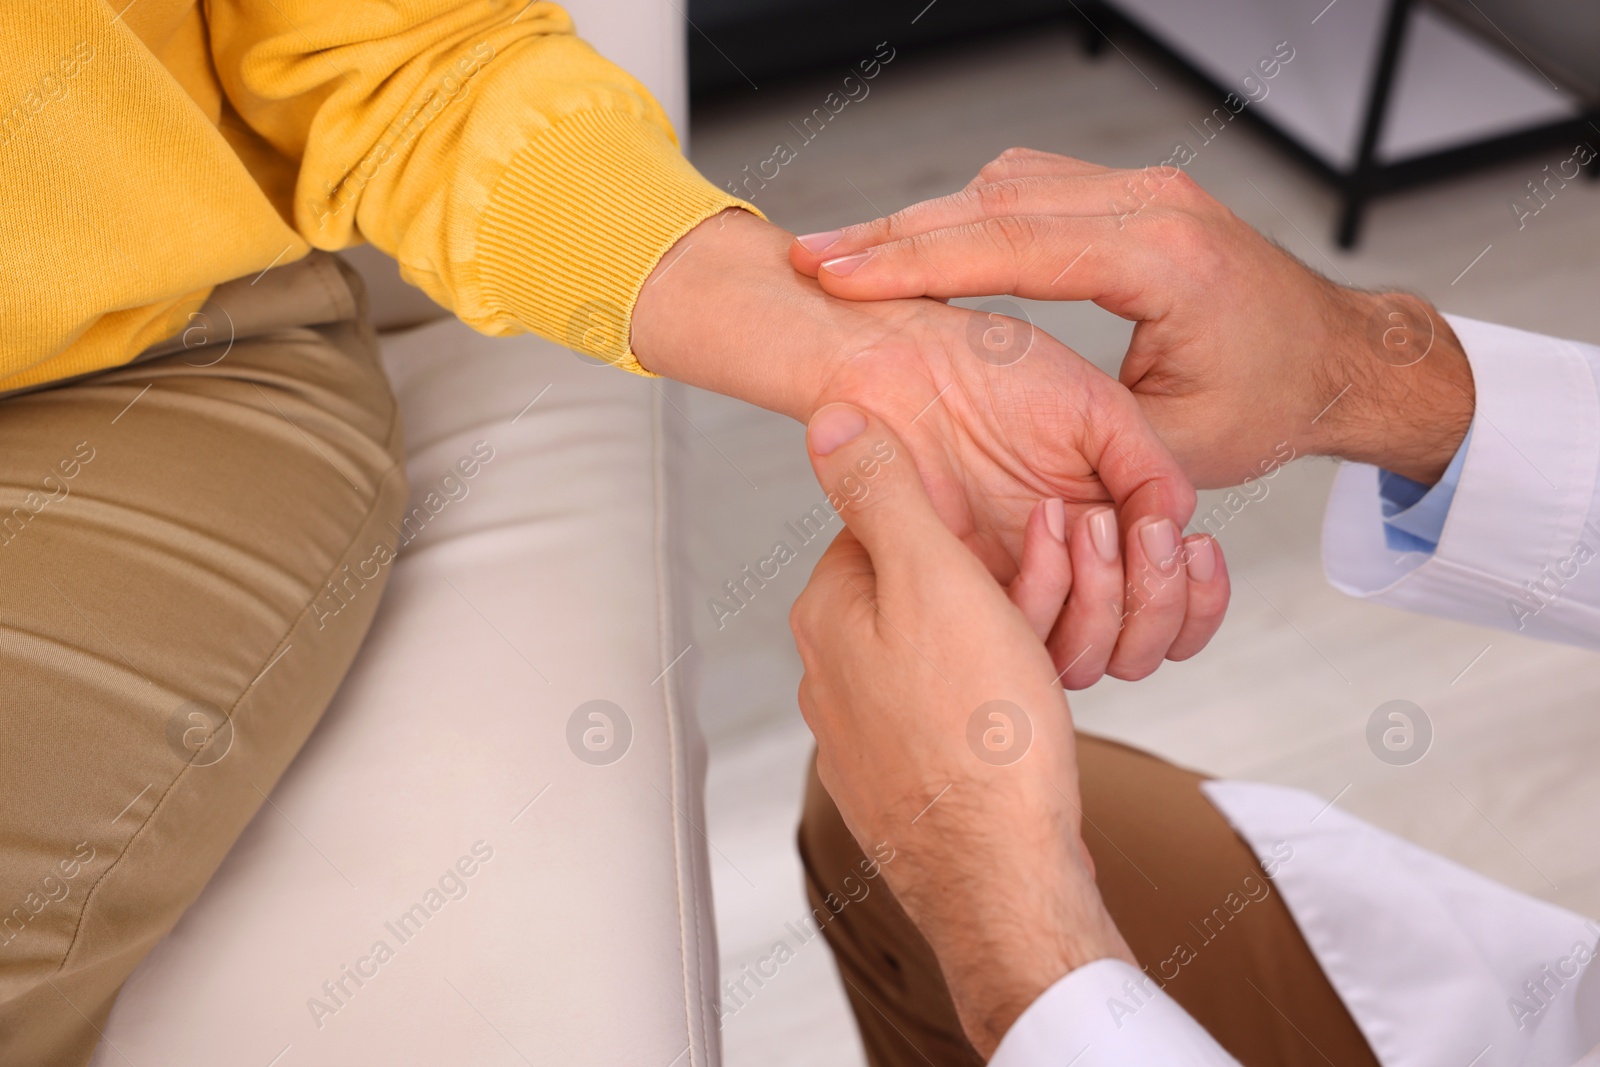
(1413, 513)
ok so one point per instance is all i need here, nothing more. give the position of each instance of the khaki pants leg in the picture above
(191, 549)
(1167, 863)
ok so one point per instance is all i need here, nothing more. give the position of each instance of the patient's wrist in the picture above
(1400, 388)
(724, 310)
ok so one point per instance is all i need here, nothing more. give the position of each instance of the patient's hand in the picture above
(989, 441)
(1240, 355)
(941, 731)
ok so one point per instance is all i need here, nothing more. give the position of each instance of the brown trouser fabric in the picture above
(165, 529)
(1188, 895)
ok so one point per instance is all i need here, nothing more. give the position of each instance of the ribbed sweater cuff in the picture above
(579, 220)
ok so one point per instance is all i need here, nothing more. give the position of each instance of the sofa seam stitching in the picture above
(669, 704)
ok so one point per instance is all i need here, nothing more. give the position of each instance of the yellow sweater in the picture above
(146, 156)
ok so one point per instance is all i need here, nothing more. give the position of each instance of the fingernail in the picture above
(833, 426)
(1160, 540)
(1055, 517)
(817, 242)
(1103, 532)
(845, 266)
(1202, 559)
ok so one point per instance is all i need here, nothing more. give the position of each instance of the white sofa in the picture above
(536, 903)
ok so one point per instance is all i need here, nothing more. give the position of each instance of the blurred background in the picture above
(1424, 146)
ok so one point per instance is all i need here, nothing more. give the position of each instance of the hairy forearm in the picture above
(1400, 390)
(995, 974)
(1008, 913)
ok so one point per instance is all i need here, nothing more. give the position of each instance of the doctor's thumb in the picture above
(872, 483)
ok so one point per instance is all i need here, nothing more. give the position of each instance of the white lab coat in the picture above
(1438, 965)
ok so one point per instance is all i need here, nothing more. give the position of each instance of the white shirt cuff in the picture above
(1522, 504)
(1107, 1014)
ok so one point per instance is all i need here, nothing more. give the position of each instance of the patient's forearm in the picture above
(724, 310)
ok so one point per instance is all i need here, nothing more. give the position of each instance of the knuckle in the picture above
(1198, 200)
(1013, 233)
(1179, 183)
(998, 198)
(800, 618)
(1191, 241)
(807, 653)
(890, 227)
(1000, 165)
(825, 775)
(877, 231)
(1208, 263)
(921, 247)
(802, 698)
(925, 216)
(907, 221)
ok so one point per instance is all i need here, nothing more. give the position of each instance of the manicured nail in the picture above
(1055, 517)
(1103, 532)
(1202, 558)
(845, 266)
(1160, 540)
(817, 242)
(835, 425)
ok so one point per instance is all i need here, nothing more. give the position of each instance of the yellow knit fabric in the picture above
(151, 151)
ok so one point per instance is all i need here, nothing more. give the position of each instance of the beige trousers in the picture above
(180, 595)
(1165, 861)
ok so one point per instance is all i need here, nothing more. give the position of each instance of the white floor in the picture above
(1285, 691)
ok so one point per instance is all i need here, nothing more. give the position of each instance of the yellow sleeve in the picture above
(519, 178)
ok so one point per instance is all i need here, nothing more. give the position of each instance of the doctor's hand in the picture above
(1241, 357)
(942, 732)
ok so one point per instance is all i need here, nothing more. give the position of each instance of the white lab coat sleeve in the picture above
(1520, 548)
(1107, 1014)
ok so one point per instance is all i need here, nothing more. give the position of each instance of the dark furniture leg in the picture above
(1358, 183)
